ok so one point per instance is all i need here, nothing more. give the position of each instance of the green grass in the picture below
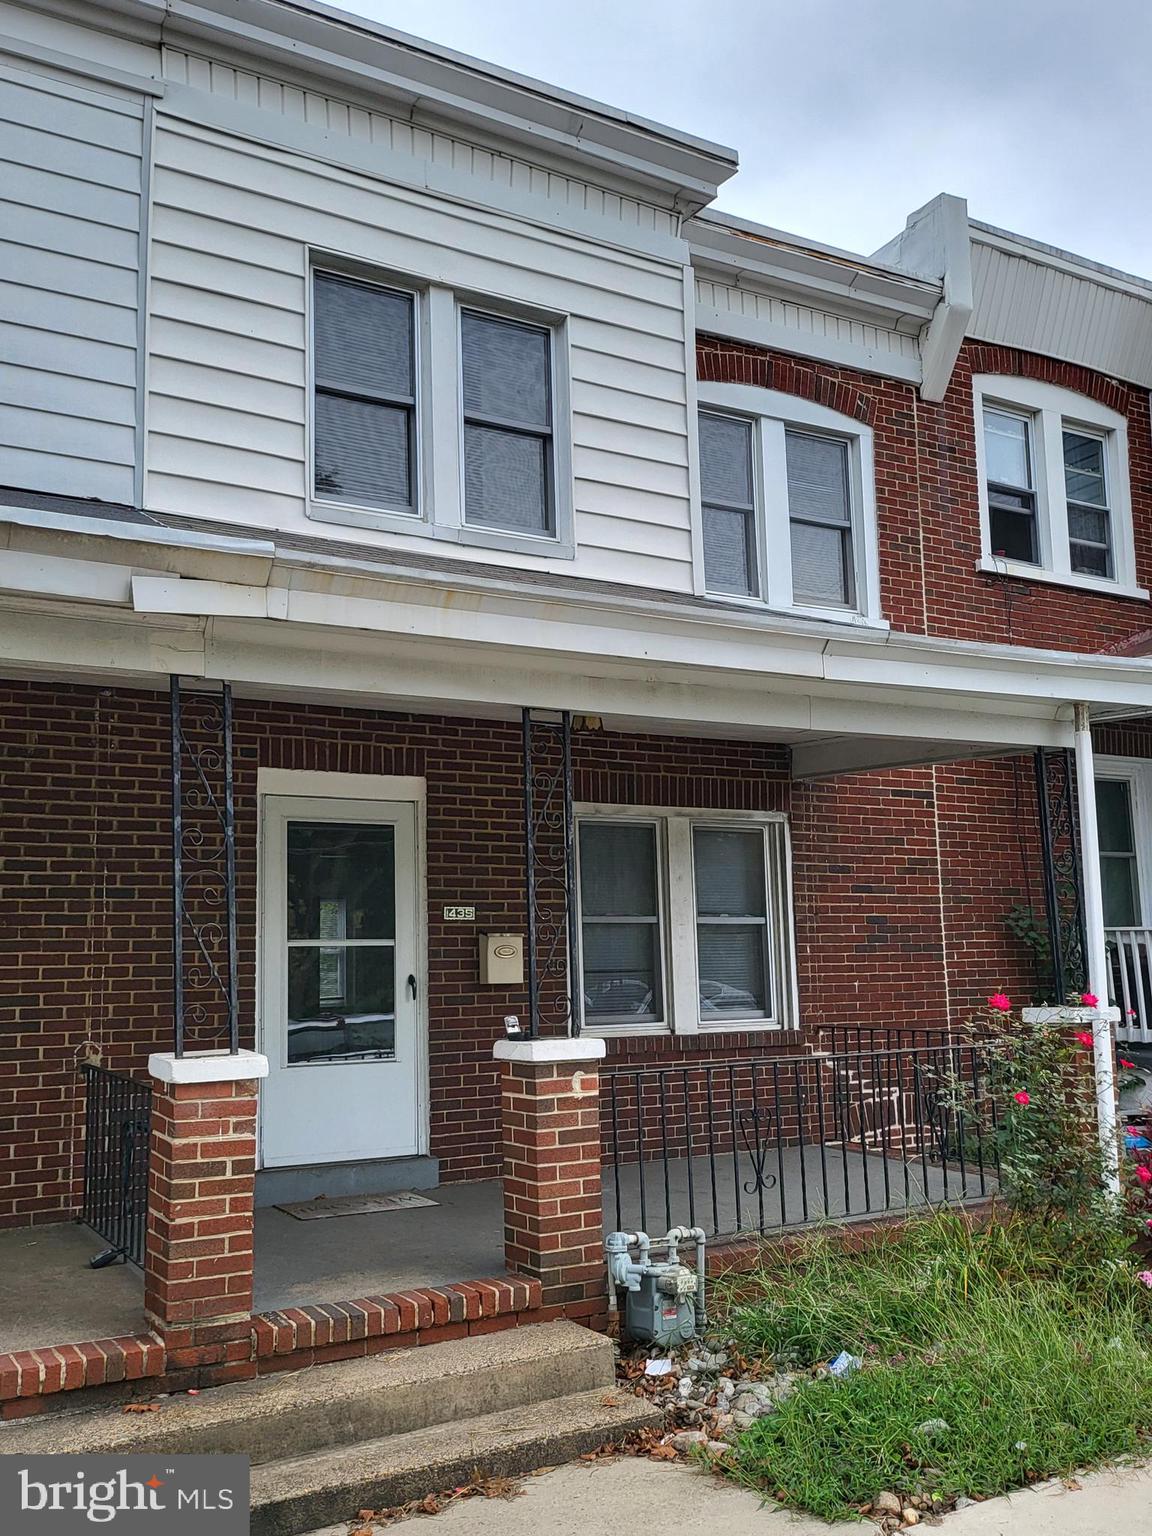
(1039, 1362)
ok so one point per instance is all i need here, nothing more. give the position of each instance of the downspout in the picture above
(1097, 956)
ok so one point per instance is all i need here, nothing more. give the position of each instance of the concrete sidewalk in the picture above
(607, 1497)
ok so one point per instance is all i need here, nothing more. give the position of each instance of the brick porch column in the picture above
(553, 1221)
(201, 1183)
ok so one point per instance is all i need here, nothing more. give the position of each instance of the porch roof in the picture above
(112, 594)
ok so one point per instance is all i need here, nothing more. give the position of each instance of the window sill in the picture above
(728, 1027)
(996, 565)
(514, 543)
(368, 517)
(419, 527)
(849, 618)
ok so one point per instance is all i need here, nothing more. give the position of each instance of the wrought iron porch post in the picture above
(550, 873)
(203, 867)
(1063, 876)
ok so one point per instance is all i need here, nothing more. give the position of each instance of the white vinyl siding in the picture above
(70, 208)
(234, 230)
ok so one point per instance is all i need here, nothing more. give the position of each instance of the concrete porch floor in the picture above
(48, 1295)
(342, 1257)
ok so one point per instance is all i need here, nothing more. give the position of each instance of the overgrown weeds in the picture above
(993, 1356)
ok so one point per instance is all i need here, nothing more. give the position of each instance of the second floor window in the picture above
(433, 415)
(365, 381)
(786, 503)
(1053, 485)
(507, 391)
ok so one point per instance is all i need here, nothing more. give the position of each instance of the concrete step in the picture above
(297, 1495)
(302, 1412)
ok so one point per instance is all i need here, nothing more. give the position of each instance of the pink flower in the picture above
(1145, 1278)
(1148, 1223)
(1085, 1038)
(1000, 1002)
(1022, 1097)
(1129, 1064)
(1089, 999)
(1131, 1013)
(1144, 1173)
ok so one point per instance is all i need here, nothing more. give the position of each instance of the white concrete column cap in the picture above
(207, 1066)
(551, 1052)
(1069, 1013)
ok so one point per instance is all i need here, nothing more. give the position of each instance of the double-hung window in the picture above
(787, 504)
(621, 919)
(507, 390)
(432, 414)
(685, 921)
(820, 517)
(1054, 495)
(728, 497)
(364, 436)
(1011, 490)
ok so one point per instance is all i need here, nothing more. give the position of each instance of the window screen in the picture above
(365, 400)
(732, 940)
(1089, 530)
(728, 500)
(1011, 489)
(508, 473)
(621, 941)
(820, 518)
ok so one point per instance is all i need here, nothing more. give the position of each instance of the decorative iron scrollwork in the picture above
(554, 998)
(755, 1127)
(1063, 887)
(205, 961)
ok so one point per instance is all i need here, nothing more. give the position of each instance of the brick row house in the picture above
(509, 673)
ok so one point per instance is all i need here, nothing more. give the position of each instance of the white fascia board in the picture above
(537, 626)
(40, 575)
(357, 669)
(85, 69)
(827, 349)
(259, 126)
(789, 270)
(134, 533)
(435, 84)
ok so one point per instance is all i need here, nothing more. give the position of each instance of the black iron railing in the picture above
(777, 1142)
(117, 1126)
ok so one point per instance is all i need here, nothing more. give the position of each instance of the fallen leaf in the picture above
(140, 1408)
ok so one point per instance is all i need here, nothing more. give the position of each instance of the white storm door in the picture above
(341, 982)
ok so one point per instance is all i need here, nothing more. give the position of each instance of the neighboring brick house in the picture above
(391, 487)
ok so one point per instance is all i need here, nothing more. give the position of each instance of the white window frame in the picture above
(438, 466)
(772, 414)
(634, 819)
(1049, 410)
(678, 913)
(1136, 772)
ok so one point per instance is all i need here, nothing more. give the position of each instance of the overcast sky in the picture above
(848, 114)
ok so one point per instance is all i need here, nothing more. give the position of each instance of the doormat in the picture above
(355, 1205)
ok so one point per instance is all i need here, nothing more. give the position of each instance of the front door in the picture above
(340, 982)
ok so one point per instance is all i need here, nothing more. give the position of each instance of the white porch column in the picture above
(1097, 956)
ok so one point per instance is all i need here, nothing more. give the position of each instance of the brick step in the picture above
(300, 1413)
(301, 1494)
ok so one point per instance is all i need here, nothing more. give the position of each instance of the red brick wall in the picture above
(85, 897)
(927, 495)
